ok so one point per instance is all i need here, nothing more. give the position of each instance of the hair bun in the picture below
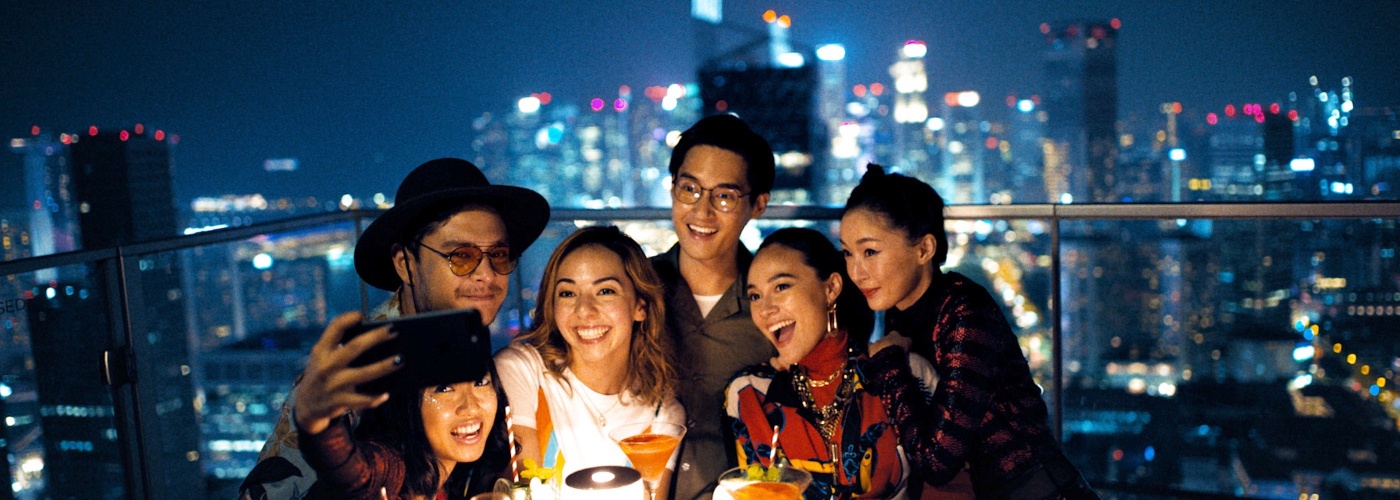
(873, 170)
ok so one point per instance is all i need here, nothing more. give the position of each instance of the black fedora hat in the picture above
(435, 185)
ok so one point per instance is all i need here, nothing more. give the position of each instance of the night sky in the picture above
(361, 95)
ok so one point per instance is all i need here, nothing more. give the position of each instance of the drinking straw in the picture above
(773, 449)
(514, 450)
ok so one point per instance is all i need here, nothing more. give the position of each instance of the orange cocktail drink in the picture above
(649, 452)
(756, 482)
(767, 491)
(649, 446)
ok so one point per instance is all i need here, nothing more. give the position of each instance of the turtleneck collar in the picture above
(826, 357)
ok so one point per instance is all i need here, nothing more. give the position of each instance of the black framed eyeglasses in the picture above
(724, 199)
(465, 259)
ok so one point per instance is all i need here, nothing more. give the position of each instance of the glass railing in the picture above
(1197, 350)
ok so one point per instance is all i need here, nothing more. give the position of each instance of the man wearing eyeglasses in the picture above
(721, 174)
(450, 242)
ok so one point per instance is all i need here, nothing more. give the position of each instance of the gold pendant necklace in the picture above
(828, 416)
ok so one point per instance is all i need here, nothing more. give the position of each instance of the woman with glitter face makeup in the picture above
(816, 393)
(596, 359)
(445, 441)
(987, 414)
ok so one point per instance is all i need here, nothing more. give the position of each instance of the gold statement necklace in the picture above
(828, 416)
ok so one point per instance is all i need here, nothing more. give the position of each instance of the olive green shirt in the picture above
(709, 351)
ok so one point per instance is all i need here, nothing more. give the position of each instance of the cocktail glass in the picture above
(767, 483)
(649, 446)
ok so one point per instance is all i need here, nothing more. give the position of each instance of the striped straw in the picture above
(514, 449)
(773, 449)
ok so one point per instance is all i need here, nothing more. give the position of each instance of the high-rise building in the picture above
(123, 188)
(1081, 103)
(38, 217)
(121, 184)
(962, 179)
(1025, 131)
(912, 138)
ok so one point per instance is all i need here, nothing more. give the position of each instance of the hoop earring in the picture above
(832, 326)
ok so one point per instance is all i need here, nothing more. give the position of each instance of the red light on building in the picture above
(1116, 24)
(125, 135)
(1045, 28)
(1176, 108)
(1212, 118)
(722, 106)
(1073, 30)
(624, 91)
(655, 93)
(544, 97)
(140, 129)
(1035, 98)
(1011, 101)
(620, 104)
(770, 16)
(174, 138)
(784, 21)
(65, 138)
(160, 135)
(950, 98)
(596, 104)
(1293, 115)
(1098, 33)
(34, 130)
(876, 88)
(1229, 110)
(1259, 118)
(92, 131)
(1273, 108)
(859, 90)
(991, 143)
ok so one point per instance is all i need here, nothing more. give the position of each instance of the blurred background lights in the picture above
(914, 49)
(831, 52)
(969, 98)
(262, 261)
(528, 105)
(792, 60)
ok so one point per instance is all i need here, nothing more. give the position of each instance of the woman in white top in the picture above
(596, 358)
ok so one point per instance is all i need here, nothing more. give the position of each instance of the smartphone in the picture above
(438, 348)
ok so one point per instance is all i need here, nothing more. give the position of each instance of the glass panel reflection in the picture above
(60, 435)
(228, 328)
(1262, 348)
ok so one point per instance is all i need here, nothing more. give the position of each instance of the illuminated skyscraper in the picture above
(962, 179)
(1081, 103)
(911, 112)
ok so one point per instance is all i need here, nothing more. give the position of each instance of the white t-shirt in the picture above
(707, 302)
(575, 411)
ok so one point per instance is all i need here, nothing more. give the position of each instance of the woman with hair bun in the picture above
(988, 415)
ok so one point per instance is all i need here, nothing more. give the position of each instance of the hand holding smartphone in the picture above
(438, 348)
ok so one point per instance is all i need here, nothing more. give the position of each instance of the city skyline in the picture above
(359, 97)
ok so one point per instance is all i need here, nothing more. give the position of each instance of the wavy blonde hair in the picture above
(650, 376)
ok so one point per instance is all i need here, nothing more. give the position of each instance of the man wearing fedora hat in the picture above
(450, 242)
